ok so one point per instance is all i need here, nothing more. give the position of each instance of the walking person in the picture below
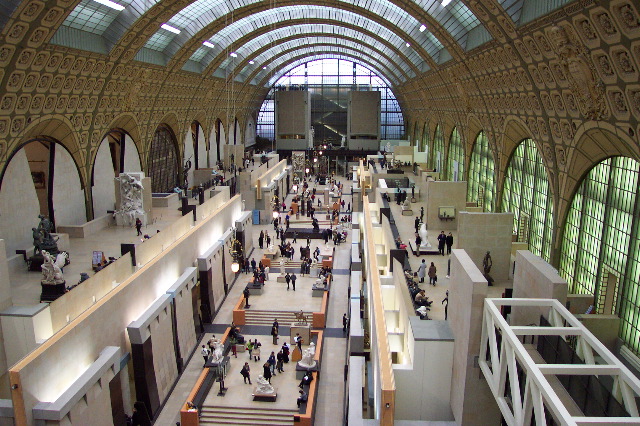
(246, 373)
(449, 242)
(261, 239)
(433, 277)
(272, 363)
(246, 294)
(416, 224)
(205, 352)
(345, 322)
(287, 278)
(445, 302)
(274, 332)
(266, 371)
(280, 362)
(249, 348)
(422, 270)
(418, 242)
(139, 226)
(253, 265)
(268, 240)
(293, 281)
(421, 214)
(256, 350)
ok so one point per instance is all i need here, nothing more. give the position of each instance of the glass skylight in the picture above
(319, 44)
(405, 61)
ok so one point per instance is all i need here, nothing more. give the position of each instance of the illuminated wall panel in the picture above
(481, 180)
(526, 194)
(436, 156)
(455, 160)
(601, 238)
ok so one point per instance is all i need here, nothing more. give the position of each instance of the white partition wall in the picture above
(471, 398)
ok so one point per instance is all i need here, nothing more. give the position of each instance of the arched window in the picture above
(481, 181)
(526, 194)
(437, 153)
(163, 161)
(455, 163)
(600, 247)
(425, 139)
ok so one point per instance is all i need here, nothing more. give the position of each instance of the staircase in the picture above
(285, 318)
(246, 416)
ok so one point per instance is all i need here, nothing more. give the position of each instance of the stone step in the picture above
(246, 416)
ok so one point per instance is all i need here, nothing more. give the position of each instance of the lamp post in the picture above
(235, 250)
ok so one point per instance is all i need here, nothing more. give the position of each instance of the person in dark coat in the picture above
(449, 242)
(442, 239)
(266, 371)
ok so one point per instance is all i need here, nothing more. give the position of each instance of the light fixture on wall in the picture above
(236, 253)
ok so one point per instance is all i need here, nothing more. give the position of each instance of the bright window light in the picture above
(251, 62)
(408, 44)
(422, 28)
(111, 4)
(264, 68)
(209, 44)
(170, 28)
(445, 2)
(233, 54)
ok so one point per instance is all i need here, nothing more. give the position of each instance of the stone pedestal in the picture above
(305, 332)
(268, 397)
(51, 292)
(295, 354)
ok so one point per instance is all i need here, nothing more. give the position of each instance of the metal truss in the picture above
(502, 353)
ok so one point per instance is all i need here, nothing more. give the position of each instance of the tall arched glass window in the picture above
(455, 159)
(526, 194)
(424, 147)
(330, 81)
(436, 155)
(601, 243)
(162, 167)
(481, 181)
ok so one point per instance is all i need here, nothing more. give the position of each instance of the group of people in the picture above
(432, 272)
(264, 237)
(445, 240)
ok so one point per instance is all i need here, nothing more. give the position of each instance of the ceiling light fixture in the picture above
(251, 62)
(408, 44)
(445, 2)
(208, 44)
(233, 54)
(111, 4)
(264, 68)
(422, 28)
(170, 28)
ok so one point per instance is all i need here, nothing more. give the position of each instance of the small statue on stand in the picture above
(264, 387)
(217, 355)
(487, 263)
(52, 268)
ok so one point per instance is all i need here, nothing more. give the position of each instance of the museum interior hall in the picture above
(338, 212)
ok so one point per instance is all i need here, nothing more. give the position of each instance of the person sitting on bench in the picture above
(306, 379)
(302, 398)
(421, 299)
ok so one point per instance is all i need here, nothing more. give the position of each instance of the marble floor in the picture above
(277, 298)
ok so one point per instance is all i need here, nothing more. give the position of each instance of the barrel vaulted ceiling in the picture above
(550, 70)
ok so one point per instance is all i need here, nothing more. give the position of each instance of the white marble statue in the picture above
(307, 360)
(217, 355)
(425, 244)
(266, 273)
(282, 268)
(264, 387)
(406, 204)
(52, 268)
(131, 198)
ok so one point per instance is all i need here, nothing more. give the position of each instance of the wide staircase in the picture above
(246, 416)
(285, 318)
